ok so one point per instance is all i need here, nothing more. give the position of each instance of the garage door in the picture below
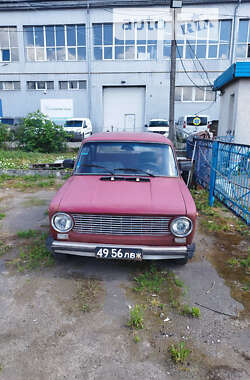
(123, 108)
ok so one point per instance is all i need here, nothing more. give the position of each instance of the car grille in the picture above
(121, 224)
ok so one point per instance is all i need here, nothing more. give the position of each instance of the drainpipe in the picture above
(234, 31)
(88, 48)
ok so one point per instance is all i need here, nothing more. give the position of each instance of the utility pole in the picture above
(172, 134)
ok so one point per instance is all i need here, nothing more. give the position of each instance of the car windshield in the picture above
(158, 123)
(197, 120)
(73, 123)
(126, 158)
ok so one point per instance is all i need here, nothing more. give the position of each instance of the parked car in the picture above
(189, 124)
(125, 200)
(159, 126)
(78, 128)
(13, 122)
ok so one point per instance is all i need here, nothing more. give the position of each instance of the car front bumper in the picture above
(149, 252)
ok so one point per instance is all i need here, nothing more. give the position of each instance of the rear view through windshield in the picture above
(73, 123)
(197, 120)
(126, 158)
(158, 123)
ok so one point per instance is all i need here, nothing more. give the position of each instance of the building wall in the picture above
(153, 74)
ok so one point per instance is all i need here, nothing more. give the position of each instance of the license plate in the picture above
(118, 253)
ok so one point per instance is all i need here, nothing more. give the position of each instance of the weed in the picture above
(35, 254)
(27, 234)
(136, 317)
(191, 311)
(179, 352)
(196, 312)
(86, 294)
(150, 281)
(233, 262)
(136, 339)
(246, 262)
(2, 216)
(178, 282)
(246, 287)
(1, 367)
(85, 308)
(3, 248)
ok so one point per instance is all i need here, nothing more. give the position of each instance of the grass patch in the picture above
(179, 352)
(136, 319)
(27, 234)
(218, 218)
(137, 339)
(243, 262)
(33, 202)
(34, 255)
(29, 182)
(191, 311)
(4, 248)
(2, 215)
(18, 159)
(150, 281)
(87, 295)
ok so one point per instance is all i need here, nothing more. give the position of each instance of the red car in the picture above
(126, 199)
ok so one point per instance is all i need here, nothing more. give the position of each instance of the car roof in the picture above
(78, 119)
(126, 136)
(158, 120)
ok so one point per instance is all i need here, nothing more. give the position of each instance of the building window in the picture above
(200, 39)
(10, 85)
(40, 85)
(243, 40)
(73, 85)
(194, 94)
(55, 43)
(8, 44)
(129, 41)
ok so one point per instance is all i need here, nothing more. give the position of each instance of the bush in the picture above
(4, 134)
(40, 134)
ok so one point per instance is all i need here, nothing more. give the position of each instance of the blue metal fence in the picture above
(224, 169)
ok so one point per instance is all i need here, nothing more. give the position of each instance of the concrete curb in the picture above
(42, 173)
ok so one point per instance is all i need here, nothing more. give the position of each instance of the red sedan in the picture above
(126, 199)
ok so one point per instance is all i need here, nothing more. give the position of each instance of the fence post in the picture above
(215, 150)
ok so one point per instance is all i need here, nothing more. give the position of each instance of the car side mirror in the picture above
(185, 166)
(68, 164)
(146, 126)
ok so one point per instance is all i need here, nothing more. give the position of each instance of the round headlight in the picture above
(62, 222)
(181, 227)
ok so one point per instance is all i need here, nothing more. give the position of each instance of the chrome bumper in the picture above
(149, 252)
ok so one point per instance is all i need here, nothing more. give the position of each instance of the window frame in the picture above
(13, 82)
(186, 42)
(72, 89)
(55, 47)
(205, 89)
(10, 46)
(124, 45)
(246, 43)
(36, 85)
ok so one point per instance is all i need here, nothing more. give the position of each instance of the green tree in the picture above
(40, 134)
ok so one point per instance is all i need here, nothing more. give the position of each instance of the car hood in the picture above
(158, 129)
(90, 194)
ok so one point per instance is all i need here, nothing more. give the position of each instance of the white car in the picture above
(190, 124)
(159, 126)
(78, 128)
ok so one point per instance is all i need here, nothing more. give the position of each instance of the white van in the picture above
(190, 124)
(159, 126)
(79, 128)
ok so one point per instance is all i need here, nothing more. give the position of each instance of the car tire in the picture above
(182, 261)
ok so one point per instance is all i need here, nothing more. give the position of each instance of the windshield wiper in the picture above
(134, 170)
(98, 166)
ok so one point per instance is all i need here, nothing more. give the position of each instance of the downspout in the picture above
(234, 31)
(89, 85)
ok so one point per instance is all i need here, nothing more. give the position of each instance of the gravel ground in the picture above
(45, 335)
